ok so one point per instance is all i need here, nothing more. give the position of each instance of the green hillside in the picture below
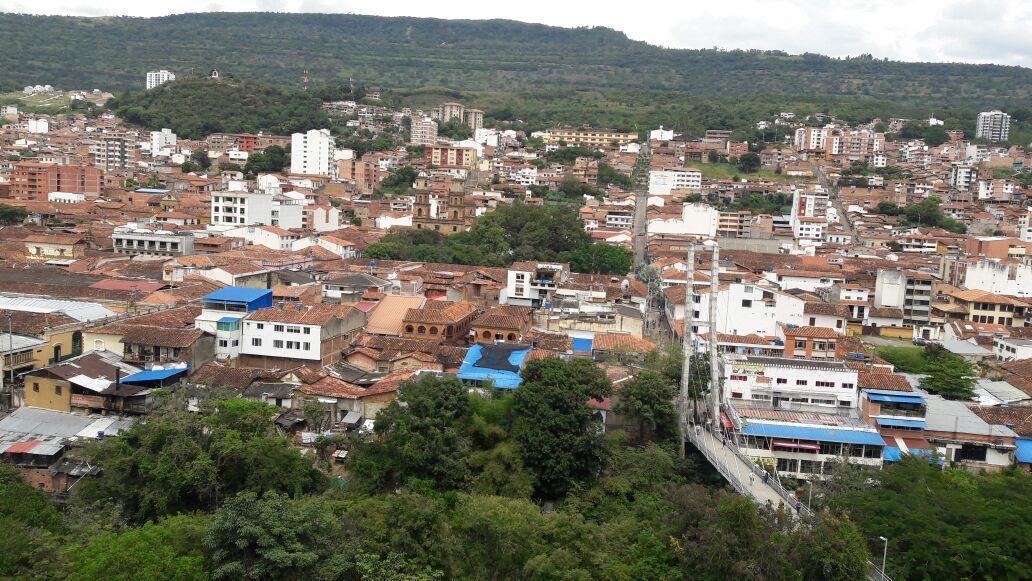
(114, 53)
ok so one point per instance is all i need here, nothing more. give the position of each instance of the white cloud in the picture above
(913, 30)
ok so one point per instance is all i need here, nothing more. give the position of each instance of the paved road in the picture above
(640, 175)
(822, 178)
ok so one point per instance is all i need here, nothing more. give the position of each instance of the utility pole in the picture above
(714, 357)
(686, 343)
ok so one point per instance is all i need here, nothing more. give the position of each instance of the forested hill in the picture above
(114, 53)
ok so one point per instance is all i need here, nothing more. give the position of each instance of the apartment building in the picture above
(156, 78)
(993, 126)
(151, 242)
(663, 182)
(283, 336)
(810, 138)
(311, 153)
(734, 224)
(533, 284)
(908, 290)
(112, 152)
(36, 181)
(788, 383)
(447, 156)
(231, 209)
(423, 131)
(589, 137)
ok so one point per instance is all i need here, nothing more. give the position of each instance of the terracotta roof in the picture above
(28, 323)
(504, 317)
(215, 374)
(389, 383)
(834, 310)
(1020, 417)
(386, 318)
(621, 342)
(885, 312)
(330, 386)
(440, 312)
(886, 381)
(812, 332)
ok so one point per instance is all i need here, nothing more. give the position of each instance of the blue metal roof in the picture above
(1024, 452)
(501, 378)
(154, 375)
(895, 398)
(582, 344)
(816, 434)
(892, 454)
(237, 294)
(229, 319)
(901, 423)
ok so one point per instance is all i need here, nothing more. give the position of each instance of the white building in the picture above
(810, 138)
(38, 126)
(1004, 278)
(151, 242)
(791, 383)
(231, 209)
(993, 126)
(65, 198)
(155, 78)
(661, 134)
(162, 143)
(1012, 348)
(1025, 227)
(664, 181)
(696, 219)
(962, 176)
(532, 284)
(311, 153)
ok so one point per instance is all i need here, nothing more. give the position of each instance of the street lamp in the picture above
(809, 496)
(884, 555)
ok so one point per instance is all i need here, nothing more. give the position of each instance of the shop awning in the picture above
(901, 423)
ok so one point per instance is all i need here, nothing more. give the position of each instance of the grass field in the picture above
(907, 359)
(726, 171)
(48, 102)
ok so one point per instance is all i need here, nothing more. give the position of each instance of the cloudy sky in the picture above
(980, 31)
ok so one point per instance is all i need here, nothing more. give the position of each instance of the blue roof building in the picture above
(500, 364)
(238, 299)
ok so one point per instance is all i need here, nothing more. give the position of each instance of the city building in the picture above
(152, 242)
(287, 335)
(589, 137)
(448, 156)
(36, 181)
(665, 181)
(311, 153)
(993, 126)
(156, 78)
(423, 131)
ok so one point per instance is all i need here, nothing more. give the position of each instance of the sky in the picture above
(973, 31)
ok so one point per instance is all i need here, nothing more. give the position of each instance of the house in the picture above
(622, 348)
(387, 316)
(347, 288)
(88, 383)
(51, 245)
(298, 335)
(1012, 348)
(508, 323)
(440, 321)
(17, 354)
(532, 284)
(222, 312)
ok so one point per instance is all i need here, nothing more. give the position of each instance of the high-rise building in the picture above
(474, 118)
(112, 152)
(993, 126)
(155, 78)
(423, 131)
(35, 181)
(448, 111)
(312, 153)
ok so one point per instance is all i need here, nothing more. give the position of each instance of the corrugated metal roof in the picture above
(237, 294)
(79, 310)
(154, 375)
(900, 423)
(812, 433)
(16, 342)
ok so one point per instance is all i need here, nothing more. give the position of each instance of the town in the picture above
(839, 294)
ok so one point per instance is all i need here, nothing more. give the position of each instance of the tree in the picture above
(170, 549)
(454, 129)
(12, 215)
(32, 527)
(200, 157)
(269, 537)
(178, 461)
(421, 437)
(270, 160)
(749, 162)
(888, 209)
(947, 374)
(399, 180)
(608, 175)
(648, 399)
(601, 259)
(559, 441)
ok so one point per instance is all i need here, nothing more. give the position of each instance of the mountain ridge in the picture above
(468, 55)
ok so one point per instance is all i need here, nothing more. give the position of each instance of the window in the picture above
(800, 382)
(421, 330)
(746, 303)
(223, 343)
(293, 329)
(800, 343)
(408, 328)
(277, 344)
(35, 387)
(278, 328)
(847, 386)
(308, 330)
(57, 390)
(813, 321)
(433, 330)
(739, 378)
(970, 452)
(782, 381)
(825, 384)
(256, 342)
(306, 346)
(260, 325)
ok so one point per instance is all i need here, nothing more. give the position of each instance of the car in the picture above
(921, 342)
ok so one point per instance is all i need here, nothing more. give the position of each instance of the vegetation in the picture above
(511, 233)
(925, 214)
(607, 175)
(454, 129)
(943, 524)
(12, 215)
(272, 159)
(198, 106)
(943, 373)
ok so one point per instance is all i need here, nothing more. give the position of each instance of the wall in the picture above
(47, 396)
